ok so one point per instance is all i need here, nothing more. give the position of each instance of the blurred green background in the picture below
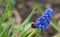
(17, 16)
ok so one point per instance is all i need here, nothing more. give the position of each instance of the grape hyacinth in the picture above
(43, 21)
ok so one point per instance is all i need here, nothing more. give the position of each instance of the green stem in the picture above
(38, 33)
(33, 32)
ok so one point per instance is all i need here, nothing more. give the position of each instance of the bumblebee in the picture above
(33, 24)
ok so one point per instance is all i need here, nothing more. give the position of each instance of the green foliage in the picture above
(24, 29)
(4, 2)
(12, 2)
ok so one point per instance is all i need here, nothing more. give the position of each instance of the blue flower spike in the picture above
(43, 22)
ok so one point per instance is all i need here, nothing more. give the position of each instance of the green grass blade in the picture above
(29, 17)
(24, 23)
(55, 26)
(27, 32)
(4, 30)
(32, 33)
(38, 33)
(26, 28)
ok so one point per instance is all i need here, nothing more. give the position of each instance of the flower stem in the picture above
(33, 32)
